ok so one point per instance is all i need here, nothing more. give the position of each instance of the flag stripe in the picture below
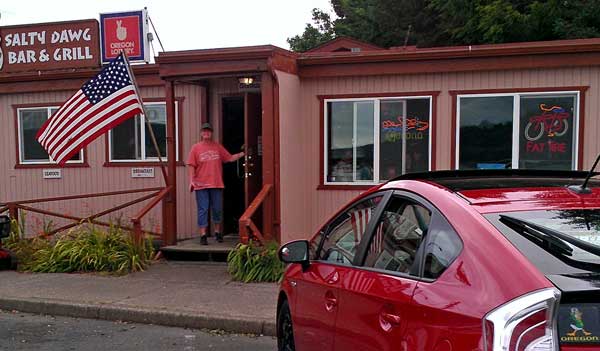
(58, 120)
(82, 106)
(85, 125)
(91, 114)
(47, 127)
(92, 134)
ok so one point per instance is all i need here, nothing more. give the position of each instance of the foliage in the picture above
(253, 263)
(83, 249)
(451, 22)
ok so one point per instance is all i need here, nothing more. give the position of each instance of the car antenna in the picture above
(583, 189)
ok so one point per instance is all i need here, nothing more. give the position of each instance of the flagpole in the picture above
(149, 127)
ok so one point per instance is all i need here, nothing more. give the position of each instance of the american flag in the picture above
(102, 103)
(360, 219)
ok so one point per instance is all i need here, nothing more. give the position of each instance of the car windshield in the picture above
(545, 228)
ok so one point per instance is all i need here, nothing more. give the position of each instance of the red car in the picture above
(451, 261)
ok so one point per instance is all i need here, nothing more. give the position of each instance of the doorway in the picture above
(242, 129)
(232, 115)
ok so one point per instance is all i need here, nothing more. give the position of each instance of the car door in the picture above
(375, 300)
(317, 286)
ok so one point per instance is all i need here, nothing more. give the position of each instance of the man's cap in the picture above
(207, 126)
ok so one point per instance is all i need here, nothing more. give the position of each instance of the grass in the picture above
(85, 248)
(253, 263)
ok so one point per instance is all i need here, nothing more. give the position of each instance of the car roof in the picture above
(504, 190)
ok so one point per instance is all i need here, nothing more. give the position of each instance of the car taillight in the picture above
(527, 323)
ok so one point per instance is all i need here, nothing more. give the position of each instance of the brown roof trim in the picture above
(70, 74)
(223, 54)
(331, 45)
(454, 52)
(146, 75)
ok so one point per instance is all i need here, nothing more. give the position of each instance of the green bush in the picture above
(254, 263)
(83, 249)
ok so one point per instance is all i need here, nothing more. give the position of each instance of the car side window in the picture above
(443, 246)
(346, 231)
(398, 235)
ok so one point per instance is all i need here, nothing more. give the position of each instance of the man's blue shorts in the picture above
(209, 198)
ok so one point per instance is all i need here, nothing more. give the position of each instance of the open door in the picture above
(253, 158)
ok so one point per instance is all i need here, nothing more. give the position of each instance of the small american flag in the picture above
(360, 219)
(102, 103)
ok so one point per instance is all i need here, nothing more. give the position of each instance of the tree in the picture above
(314, 34)
(428, 23)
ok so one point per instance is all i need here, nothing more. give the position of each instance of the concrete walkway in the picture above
(182, 294)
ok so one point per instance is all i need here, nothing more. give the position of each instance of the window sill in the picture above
(50, 165)
(139, 164)
(346, 187)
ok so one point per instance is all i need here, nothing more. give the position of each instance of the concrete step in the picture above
(191, 250)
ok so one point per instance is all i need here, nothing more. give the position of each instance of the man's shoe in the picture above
(203, 240)
(219, 237)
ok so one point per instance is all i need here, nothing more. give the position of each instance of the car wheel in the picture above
(13, 261)
(285, 331)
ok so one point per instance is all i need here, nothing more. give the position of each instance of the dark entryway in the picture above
(233, 173)
(242, 128)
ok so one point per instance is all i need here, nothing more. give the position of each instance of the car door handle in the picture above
(330, 301)
(391, 318)
(387, 321)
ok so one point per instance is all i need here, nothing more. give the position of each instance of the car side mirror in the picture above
(295, 252)
(4, 226)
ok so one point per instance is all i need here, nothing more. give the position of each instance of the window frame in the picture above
(325, 230)
(50, 163)
(516, 95)
(110, 162)
(376, 98)
(362, 251)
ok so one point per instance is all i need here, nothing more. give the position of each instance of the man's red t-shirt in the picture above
(207, 157)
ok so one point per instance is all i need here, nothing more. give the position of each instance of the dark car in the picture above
(451, 261)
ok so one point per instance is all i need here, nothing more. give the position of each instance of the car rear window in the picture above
(544, 249)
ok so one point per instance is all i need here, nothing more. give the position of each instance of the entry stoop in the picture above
(191, 250)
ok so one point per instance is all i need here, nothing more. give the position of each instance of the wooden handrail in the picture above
(84, 196)
(246, 222)
(256, 202)
(157, 198)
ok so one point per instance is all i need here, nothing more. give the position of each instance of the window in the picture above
(397, 237)
(131, 141)
(528, 130)
(346, 231)
(30, 120)
(371, 140)
(442, 246)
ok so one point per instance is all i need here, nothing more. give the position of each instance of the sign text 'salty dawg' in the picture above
(41, 47)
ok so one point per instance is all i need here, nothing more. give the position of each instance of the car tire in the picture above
(13, 261)
(285, 330)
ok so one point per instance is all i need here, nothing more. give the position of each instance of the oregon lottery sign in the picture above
(124, 31)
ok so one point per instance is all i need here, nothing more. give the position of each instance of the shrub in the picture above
(253, 263)
(83, 249)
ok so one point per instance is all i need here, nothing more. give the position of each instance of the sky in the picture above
(184, 25)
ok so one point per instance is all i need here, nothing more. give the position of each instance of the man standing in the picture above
(205, 170)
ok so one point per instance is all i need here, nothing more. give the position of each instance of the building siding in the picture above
(23, 184)
(304, 208)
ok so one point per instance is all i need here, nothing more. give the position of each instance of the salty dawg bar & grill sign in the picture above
(49, 46)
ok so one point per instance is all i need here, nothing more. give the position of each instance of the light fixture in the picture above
(246, 80)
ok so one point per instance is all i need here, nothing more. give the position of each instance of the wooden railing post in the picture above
(13, 212)
(137, 230)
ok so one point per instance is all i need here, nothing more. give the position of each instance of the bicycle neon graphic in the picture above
(553, 122)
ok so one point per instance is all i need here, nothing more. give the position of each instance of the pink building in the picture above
(319, 127)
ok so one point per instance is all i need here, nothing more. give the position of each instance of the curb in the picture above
(139, 315)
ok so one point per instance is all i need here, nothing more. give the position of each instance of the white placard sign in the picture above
(142, 172)
(54, 173)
